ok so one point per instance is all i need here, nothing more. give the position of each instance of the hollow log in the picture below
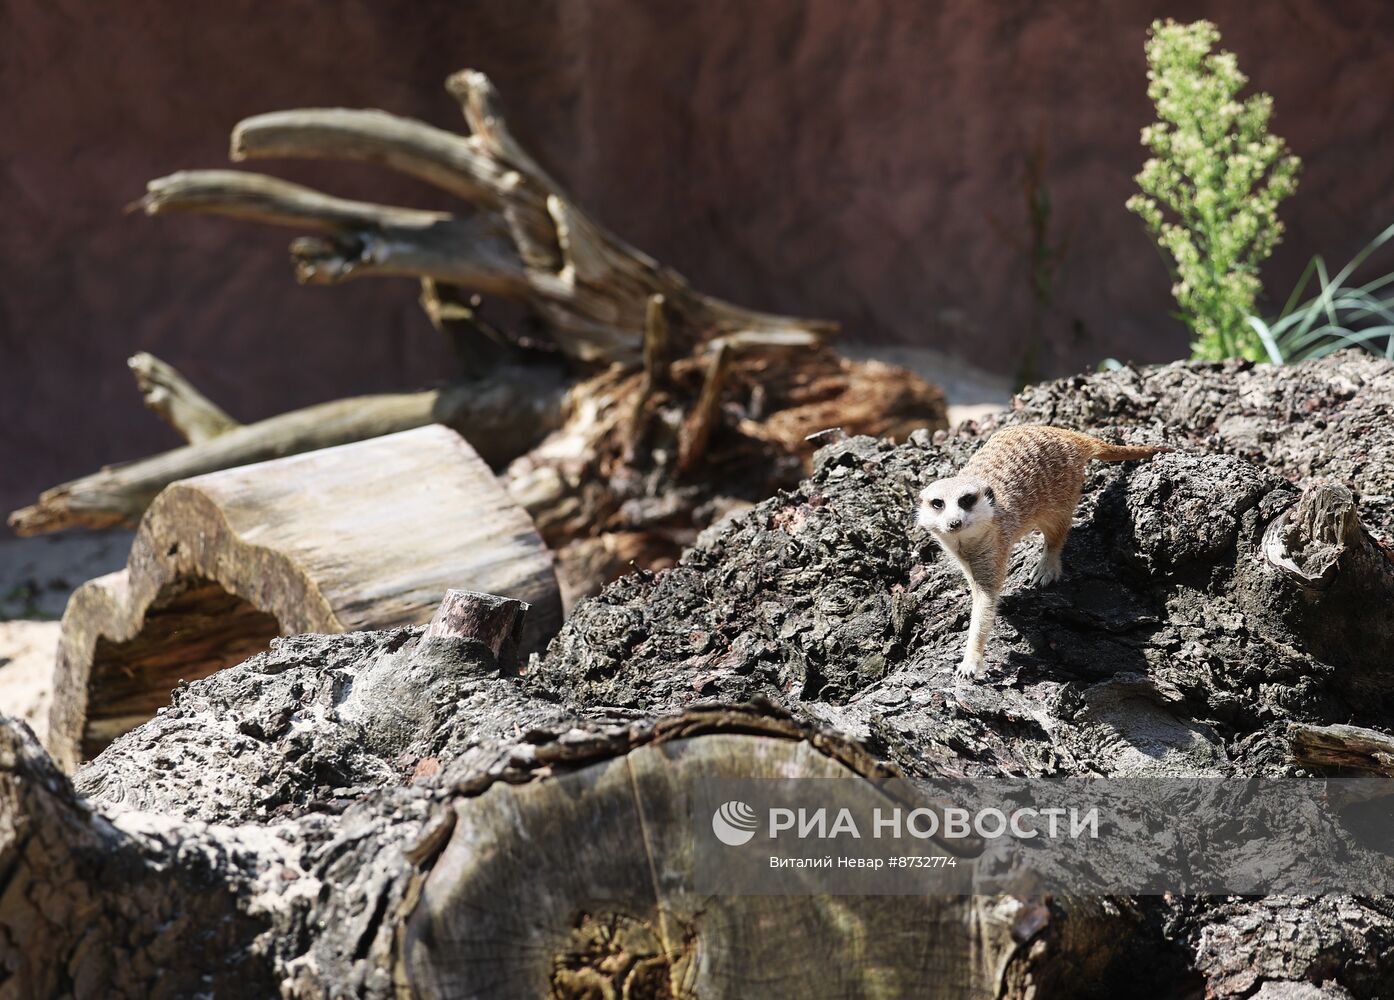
(361, 536)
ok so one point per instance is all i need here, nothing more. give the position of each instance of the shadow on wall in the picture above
(871, 163)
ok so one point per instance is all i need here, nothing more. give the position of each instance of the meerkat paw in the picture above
(970, 667)
(1047, 572)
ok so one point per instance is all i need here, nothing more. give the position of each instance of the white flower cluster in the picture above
(1210, 190)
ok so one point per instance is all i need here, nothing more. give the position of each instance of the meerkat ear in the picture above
(987, 492)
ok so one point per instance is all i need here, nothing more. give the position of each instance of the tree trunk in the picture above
(361, 851)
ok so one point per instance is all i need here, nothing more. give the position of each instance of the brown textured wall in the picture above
(848, 158)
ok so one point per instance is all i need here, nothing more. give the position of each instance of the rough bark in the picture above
(364, 536)
(1172, 645)
(380, 868)
(826, 595)
(98, 907)
(410, 774)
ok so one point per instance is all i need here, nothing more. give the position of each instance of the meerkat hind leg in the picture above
(1050, 568)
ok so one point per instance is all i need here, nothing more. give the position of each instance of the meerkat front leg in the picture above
(984, 616)
(986, 572)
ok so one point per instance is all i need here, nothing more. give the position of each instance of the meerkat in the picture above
(1023, 479)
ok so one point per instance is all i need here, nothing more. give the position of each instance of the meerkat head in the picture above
(960, 506)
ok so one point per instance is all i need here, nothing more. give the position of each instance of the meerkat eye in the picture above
(937, 504)
(968, 500)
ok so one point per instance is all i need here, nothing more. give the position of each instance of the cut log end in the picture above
(582, 903)
(497, 622)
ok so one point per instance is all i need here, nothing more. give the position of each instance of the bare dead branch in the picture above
(502, 417)
(446, 160)
(706, 414)
(170, 396)
(365, 239)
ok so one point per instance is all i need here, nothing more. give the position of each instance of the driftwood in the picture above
(363, 804)
(502, 417)
(520, 236)
(362, 536)
(675, 408)
(170, 396)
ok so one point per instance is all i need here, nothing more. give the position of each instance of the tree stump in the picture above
(367, 535)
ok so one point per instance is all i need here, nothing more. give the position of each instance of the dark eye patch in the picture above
(937, 504)
(968, 500)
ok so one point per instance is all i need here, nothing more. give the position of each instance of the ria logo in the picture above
(734, 823)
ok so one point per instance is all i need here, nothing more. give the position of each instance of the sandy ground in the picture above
(38, 574)
(972, 392)
(36, 577)
(25, 665)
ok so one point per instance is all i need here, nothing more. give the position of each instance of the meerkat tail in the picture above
(1091, 447)
(1102, 451)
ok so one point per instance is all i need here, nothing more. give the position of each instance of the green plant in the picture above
(1338, 316)
(1211, 188)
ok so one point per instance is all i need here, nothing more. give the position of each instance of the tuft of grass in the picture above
(1338, 316)
(1210, 189)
